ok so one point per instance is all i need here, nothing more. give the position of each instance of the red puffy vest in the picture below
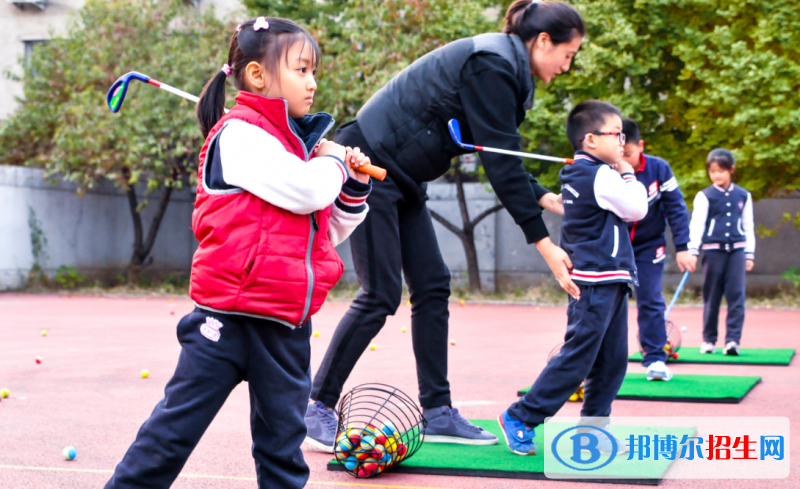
(254, 258)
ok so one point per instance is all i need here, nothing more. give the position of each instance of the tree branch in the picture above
(137, 223)
(156, 223)
(444, 222)
(462, 200)
(483, 215)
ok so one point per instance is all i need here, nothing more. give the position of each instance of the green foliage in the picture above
(68, 277)
(63, 123)
(365, 43)
(793, 276)
(695, 74)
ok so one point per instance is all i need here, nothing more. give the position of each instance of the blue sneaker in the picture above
(604, 442)
(321, 424)
(519, 437)
(446, 425)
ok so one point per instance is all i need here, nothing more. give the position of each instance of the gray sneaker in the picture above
(321, 424)
(446, 425)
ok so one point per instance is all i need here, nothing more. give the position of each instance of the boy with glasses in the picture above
(600, 193)
(665, 204)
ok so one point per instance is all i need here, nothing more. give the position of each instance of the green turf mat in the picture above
(728, 389)
(498, 461)
(747, 356)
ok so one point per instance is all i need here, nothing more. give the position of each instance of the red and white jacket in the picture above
(264, 215)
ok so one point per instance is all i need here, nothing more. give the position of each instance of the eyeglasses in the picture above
(621, 136)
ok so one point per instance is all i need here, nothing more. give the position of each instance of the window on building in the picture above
(30, 45)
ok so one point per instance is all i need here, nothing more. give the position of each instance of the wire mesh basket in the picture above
(673, 341)
(379, 427)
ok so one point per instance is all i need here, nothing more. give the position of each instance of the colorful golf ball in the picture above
(69, 453)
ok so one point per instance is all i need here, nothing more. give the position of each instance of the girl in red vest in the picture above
(273, 199)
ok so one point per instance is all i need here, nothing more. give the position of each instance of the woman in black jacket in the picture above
(485, 83)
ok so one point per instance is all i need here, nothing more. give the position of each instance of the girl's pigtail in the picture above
(211, 106)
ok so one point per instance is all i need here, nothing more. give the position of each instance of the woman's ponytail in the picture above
(211, 106)
(527, 19)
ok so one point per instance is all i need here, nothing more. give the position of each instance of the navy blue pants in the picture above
(395, 241)
(272, 358)
(723, 274)
(650, 304)
(595, 348)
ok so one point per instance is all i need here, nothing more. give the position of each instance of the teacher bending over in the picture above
(485, 83)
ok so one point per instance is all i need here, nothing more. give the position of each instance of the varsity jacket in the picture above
(598, 201)
(264, 215)
(485, 83)
(665, 205)
(723, 220)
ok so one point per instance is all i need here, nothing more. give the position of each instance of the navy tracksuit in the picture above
(218, 351)
(722, 226)
(596, 343)
(665, 205)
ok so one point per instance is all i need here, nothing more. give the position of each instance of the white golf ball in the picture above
(683, 329)
(69, 453)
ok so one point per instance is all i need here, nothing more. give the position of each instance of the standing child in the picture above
(266, 260)
(665, 204)
(600, 193)
(722, 226)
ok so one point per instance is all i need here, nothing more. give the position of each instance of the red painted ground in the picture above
(88, 391)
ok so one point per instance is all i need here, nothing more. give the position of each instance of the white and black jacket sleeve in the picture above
(621, 194)
(697, 226)
(749, 229)
(255, 161)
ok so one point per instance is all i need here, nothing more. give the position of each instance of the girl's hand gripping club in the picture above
(116, 96)
(455, 133)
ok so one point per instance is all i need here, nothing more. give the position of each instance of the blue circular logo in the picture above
(611, 457)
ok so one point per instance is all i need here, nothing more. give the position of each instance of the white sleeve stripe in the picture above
(670, 185)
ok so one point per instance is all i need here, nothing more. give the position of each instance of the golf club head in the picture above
(455, 133)
(116, 94)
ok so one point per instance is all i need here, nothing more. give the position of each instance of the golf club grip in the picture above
(373, 171)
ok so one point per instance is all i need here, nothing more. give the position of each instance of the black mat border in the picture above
(725, 400)
(498, 474)
(679, 362)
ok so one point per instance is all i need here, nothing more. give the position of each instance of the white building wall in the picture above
(30, 23)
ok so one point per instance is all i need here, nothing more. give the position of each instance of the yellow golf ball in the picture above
(373, 346)
(462, 302)
(402, 330)
(44, 332)
(145, 373)
(5, 393)
(316, 334)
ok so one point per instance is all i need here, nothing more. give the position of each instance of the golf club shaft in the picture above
(175, 91)
(523, 154)
(677, 294)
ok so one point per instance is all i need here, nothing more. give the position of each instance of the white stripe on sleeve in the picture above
(621, 194)
(697, 226)
(670, 185)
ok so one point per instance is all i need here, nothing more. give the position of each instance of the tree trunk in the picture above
(467, 232)
(143, 246)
